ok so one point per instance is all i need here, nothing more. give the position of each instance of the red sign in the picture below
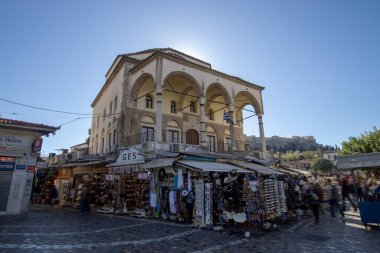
(37, 145)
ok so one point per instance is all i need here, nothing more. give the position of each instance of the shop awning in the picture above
(211, 166)
(159, 163)
(258, 168)
(285, 171)
(82, 164)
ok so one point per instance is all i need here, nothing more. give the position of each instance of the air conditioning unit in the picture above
(73, 156)
(148, 146)
(176, 147)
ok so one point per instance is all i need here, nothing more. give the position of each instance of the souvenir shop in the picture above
(125, 188)
(230, 194)
(43, 185)
(171, 195)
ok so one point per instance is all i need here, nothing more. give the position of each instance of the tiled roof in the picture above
(164, 49)
(201, 66)
(26, 124)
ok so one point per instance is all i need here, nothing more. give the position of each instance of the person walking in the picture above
(333, 198)
(347, 187)
(84, 206)
(312, 201)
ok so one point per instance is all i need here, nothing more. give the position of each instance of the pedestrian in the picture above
(84, 206)
(53, 194)
(347, 188)
(333, 198)
(312, 201)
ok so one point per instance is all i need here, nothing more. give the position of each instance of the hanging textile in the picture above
(153, 199)
(175, 182)
(180, 179)
(189, 180)
(172, 201)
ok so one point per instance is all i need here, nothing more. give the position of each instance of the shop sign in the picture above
(7, 166)
(13, 144)
(99, 170)
(129, 156)
(20, 166)
(125, 169)
(32, 161)
(82, 170)
(109, 177)
(36, 146)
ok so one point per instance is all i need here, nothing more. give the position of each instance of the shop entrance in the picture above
(192, 137)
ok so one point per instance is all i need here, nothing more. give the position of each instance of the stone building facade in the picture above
(165, 96)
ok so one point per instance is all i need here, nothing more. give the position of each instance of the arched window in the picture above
(115, 104)
(149, 101)
(173, 107)
(211, 114)
(193, 106)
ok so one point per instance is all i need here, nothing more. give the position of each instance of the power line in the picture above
(45, 109)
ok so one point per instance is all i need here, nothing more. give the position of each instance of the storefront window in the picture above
(147, 134)
(173, 136)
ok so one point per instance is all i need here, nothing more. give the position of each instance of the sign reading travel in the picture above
(13, 144)
(129, 156)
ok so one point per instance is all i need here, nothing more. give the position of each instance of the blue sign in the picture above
(7, 166)
(20, 166)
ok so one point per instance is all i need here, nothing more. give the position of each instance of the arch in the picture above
(210, 129)
(182, 83)
(184, 75)
(147, 119)
(141, 80)
(218, 91)
(192, 137)
(244, 98)
(173, 123)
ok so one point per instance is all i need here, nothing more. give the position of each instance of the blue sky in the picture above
(318, 60)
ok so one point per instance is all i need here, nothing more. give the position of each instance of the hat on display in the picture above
(239, 217)
(185, 193)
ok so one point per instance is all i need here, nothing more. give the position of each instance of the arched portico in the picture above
(242, 99)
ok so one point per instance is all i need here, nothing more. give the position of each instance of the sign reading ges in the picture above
(129, 156)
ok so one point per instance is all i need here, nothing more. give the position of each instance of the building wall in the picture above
(102, 126)
(145, 79)
(16, 183)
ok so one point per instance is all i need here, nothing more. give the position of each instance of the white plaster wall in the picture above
(113, 89)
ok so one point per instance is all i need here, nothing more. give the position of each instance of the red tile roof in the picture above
(26, 124)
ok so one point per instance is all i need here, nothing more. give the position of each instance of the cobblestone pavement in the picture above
(49, 229)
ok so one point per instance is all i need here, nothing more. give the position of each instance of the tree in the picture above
(322, 166)
(368, 142)
(88, 138)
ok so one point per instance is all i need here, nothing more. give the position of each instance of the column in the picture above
(202, 121)
(159, 87)
(262, 137)
(158, 132)
(232, 127)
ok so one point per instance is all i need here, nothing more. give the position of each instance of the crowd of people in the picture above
(336, 193)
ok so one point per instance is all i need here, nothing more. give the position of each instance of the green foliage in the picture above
(368, 142)
(290, 156)
(322, 166)
(88, 138)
